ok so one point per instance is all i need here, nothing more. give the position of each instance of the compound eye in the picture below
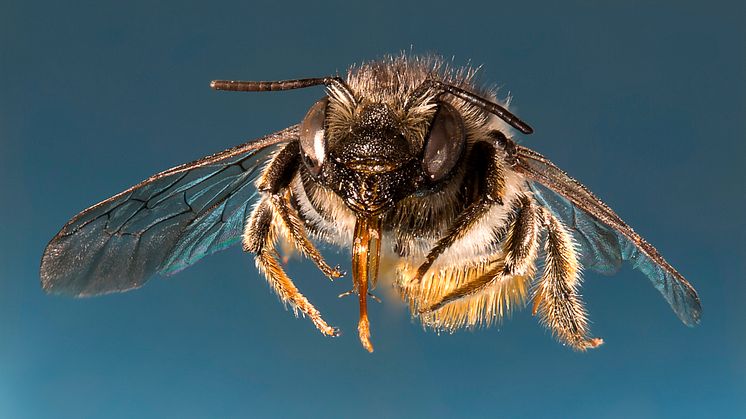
(445, 142)
(312, 138)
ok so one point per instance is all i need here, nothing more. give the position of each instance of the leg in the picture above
(555, 297)
(482, 308)
(519, 249)
(259, 238)
(522, 241)
(294, 225)
(490, 190)
(274, 181)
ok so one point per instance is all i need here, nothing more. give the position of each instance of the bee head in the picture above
(375, 156)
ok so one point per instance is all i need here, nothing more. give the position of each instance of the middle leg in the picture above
(516, 263)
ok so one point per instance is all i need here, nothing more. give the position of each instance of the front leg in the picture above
(259, 238)
(275, 215)
(294, 229)
(274, 182)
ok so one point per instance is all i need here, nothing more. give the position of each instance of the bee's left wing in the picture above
(605, 240)
(161, 225)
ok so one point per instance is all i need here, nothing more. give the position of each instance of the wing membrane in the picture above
(162, 225)
(605, 239)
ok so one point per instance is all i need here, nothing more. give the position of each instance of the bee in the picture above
(412, 166)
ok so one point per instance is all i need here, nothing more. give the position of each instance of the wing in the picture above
(605, 240)
(164, 224)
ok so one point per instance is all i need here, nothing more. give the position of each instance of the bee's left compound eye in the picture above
(445, 142)
(313, 138)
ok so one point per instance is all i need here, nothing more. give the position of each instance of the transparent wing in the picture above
(600, 246)
(162, 225)
(605, 240)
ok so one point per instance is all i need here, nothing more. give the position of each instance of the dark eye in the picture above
(312, 137)
(444, 143)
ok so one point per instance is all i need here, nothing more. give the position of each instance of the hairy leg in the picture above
(487, 168)
(517, 263)
(259, 238)
(274, 183)
(556, 298)
(295, 230)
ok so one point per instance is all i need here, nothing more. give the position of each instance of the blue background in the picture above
(643, 103)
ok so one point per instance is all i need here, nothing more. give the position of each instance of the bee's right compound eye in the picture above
(313, 138)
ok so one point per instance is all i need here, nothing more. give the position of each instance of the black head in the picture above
(375, 161)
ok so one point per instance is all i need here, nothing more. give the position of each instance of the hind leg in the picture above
(556, 298)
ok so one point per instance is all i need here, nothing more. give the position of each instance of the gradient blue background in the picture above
(645, 104)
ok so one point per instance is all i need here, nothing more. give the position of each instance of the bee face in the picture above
(372, 156)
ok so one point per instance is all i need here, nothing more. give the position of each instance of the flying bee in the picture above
(410, 165)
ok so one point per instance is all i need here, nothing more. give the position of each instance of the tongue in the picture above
(366, 249)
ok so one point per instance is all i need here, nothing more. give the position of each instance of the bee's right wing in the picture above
(162, 225)
(605, 240)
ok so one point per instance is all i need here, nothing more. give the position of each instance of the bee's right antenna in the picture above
(475, 100)
(271, 86)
